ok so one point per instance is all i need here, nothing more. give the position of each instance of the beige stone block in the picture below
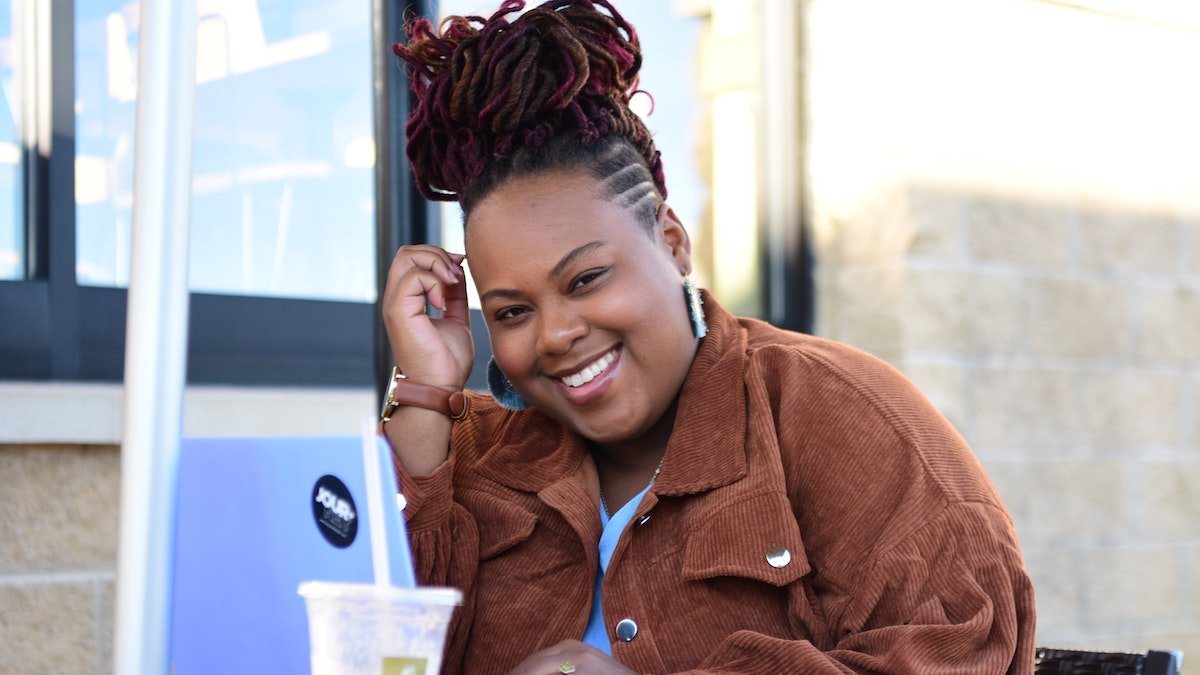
(1193, 230)
(1194, 440)
(1075, 502)
(1131, 409)
(59, 510)
(1026, 234)
(877, 232)
(935, 311)
(106, 624)
(999, 315)
(1192, 567)
(938, 222)
(864, 309)
(1170, 325)
(1055, 573)
(1170, 496)
(1121, 242)
(1023, 409)
(1080, 319)
(47, 628)
(1131, 587)
(961, 312)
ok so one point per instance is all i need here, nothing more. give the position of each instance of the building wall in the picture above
(1007, 207)
(58, 514)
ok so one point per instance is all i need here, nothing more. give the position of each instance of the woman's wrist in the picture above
(402, 391)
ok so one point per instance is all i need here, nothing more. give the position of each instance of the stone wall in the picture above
(1062, 338)
(58, 543)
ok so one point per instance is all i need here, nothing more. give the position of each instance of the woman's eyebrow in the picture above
(575, 254)
(503, 293)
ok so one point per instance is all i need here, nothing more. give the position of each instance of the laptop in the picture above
(257, 516)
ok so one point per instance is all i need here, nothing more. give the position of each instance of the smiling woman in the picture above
(658, 486)
(594, 286)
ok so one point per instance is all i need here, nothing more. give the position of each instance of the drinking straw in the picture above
(375, 512)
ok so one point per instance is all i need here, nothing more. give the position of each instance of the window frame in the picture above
(52, 328)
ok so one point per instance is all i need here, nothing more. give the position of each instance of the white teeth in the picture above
(590, 371)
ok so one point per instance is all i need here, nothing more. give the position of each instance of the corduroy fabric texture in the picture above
(903, 559)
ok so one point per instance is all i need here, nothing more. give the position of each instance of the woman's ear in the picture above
(674, 238)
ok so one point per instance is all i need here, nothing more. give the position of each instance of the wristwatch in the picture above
(403, 392)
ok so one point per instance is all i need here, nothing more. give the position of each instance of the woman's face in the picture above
(585, 308)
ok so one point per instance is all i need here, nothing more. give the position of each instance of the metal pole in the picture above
(156, 334)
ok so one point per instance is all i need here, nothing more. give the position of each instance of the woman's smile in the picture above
(587, 384)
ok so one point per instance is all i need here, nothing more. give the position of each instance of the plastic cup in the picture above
(366, 629)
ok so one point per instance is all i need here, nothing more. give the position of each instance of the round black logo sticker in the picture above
(333, 509)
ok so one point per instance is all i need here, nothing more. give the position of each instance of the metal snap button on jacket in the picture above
(779, 557)
(626, 630)
(643, 519)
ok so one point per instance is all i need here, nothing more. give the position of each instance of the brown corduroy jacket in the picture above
(900, 556)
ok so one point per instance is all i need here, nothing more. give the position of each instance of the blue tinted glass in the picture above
(282, 187)
(12, 239)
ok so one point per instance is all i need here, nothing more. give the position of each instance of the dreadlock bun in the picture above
(491, 90)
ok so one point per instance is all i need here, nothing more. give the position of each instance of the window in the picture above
(283, 231)
(12, 238)
(282, 201)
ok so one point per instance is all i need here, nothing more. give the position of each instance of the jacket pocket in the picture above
(755, 538)
(502, 524)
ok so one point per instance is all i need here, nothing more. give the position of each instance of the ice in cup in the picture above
(367, 629)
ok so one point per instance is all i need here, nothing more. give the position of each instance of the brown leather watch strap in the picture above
(404, 392)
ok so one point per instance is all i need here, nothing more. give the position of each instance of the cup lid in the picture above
(423, 594)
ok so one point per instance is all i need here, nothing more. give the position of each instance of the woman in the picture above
(657, 486)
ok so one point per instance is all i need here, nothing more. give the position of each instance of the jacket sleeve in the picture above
(445, 547)
(915, 563)
(951, 598)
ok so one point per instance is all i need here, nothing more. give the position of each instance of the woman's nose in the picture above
(560, 328)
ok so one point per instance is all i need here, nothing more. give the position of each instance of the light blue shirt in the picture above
(596, 635)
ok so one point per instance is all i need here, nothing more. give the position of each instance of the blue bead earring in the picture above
(695, 307)
(502, 390)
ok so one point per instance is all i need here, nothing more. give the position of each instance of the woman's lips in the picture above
(594, 388)
(591, 370)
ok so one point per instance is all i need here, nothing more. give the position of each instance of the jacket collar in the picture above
(707, 447)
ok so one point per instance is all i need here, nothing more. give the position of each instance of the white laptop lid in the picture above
(257, 516)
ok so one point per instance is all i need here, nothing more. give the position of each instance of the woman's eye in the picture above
(510, 313)
(586, 278)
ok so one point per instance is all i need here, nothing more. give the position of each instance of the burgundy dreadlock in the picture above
(548, 90)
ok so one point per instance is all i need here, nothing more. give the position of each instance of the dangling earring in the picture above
(691, 296)
(502, 390)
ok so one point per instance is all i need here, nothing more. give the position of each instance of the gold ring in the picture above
(566, 668)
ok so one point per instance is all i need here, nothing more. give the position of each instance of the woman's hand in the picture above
(584, 659)
(429, 350)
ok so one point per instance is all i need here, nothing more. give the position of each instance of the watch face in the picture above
(389, 400)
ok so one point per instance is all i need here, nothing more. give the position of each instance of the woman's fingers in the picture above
(455, 299)
(584, 659)
(426, 348)
(420, 262)
(424, 256)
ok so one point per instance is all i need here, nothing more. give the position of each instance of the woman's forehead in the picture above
(529, 210)
(534, 228)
